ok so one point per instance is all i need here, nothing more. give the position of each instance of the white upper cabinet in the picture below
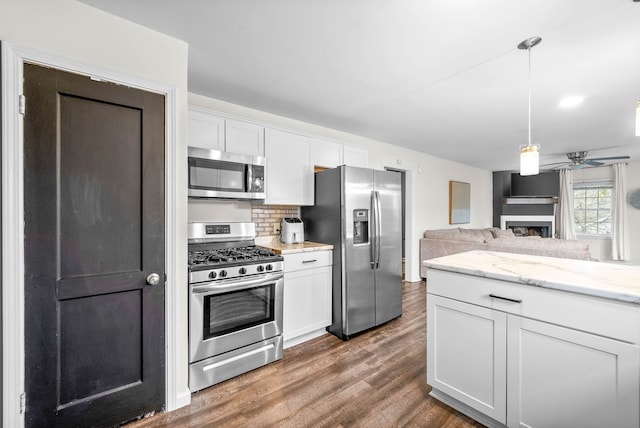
(290, 157)
(210, 131)
(355, 156)
(205, 130)
(245, 138)
(325, 154)
(289, 177)
(328, 154)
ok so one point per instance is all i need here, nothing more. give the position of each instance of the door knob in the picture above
(153, 279)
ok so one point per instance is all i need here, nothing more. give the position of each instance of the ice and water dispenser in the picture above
(360, 226)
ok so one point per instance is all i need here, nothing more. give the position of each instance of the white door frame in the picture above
(13, 59)
(412, 267)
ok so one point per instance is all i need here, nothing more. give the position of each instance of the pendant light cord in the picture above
(528, 44)
(529, 50)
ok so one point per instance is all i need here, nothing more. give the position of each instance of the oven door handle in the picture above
(235, 284)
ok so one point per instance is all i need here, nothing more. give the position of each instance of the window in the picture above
(592, 208)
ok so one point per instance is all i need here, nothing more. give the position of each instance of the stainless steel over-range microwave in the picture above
(216, 174)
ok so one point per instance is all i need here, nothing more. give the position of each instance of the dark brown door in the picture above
(94, 231)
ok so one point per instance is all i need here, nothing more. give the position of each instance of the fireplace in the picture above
(529, 225)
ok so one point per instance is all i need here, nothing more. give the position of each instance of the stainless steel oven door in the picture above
(229, 314)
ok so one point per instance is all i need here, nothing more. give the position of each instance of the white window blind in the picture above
(592, 205)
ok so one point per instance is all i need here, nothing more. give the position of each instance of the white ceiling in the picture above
(438, 76)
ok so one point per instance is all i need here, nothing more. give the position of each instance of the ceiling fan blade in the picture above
(593, 162)
(578, 166)
(610, 158)
(554, 163)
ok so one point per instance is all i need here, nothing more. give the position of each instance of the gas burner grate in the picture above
(226, 255)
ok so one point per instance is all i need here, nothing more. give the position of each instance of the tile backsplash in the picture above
(268, 217)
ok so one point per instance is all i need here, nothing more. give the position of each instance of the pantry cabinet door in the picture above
(559, 377)
(466, 354)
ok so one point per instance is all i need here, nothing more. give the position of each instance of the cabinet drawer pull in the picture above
(310, 261)
(505, 298)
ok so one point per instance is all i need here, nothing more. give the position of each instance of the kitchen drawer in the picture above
(609, 318)
(307, 260)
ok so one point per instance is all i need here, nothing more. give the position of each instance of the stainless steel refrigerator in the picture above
(358, 211)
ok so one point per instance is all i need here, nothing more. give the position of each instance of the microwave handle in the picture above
(249, 176)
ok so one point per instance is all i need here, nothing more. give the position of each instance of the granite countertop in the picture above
(607, 280)
(274, 244)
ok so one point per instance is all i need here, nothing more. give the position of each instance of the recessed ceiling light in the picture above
(570, 101)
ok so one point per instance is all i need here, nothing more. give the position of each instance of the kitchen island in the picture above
(517, 340)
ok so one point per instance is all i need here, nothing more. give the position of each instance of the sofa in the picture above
(444, 242)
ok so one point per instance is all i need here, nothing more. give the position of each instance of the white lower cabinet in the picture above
(560, 377)
(307, 295)
(490, 360)
(467, 356)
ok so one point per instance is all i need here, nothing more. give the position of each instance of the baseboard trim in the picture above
(303, 338)
(182, 399)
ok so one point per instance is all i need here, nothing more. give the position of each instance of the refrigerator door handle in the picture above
(378, 228)
(372, 231)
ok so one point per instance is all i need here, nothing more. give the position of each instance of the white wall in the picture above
(430, 186)
(79, 33)
(601, 247)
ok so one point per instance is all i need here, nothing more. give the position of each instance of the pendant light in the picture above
(530, 153)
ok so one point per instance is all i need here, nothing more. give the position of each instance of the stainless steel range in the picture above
(235, 303)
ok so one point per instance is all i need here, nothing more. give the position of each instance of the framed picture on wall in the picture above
(459, 202)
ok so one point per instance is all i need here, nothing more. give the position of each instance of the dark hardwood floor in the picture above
(376, 379)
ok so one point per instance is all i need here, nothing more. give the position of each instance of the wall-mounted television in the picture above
(544, 185)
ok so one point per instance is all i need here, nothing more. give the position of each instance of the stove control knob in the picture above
(260, 268)
(269, 267)
(223, 273)
(213, 275)
(242, 271)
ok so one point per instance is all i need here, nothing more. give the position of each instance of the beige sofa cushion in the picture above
(487, 233)
(471, 235)
(442, 233)
(499, 233)
(459, 234)
(535, 245)
(432, 248)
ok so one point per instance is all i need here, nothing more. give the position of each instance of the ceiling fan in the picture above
(579, 160)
